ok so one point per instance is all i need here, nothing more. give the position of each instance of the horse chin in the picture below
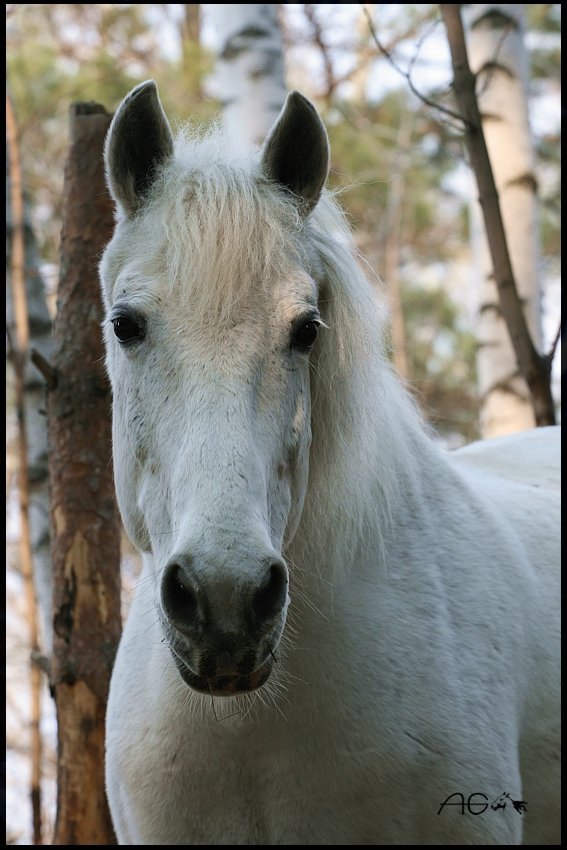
(225, 685)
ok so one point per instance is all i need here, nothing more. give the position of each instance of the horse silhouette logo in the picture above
(500, 803)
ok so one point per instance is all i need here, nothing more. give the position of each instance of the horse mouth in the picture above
(224, 685)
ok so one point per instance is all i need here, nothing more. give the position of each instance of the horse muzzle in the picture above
(223, 685)
(223, 630)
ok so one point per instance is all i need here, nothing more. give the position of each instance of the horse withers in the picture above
(342, 634)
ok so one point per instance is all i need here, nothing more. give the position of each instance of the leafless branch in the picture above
(407, 74)
(46, 369)
(317, 32)
(494, 61)
(551, 353)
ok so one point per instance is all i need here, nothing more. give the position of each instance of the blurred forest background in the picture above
(398, 165)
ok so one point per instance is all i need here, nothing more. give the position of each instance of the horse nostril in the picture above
(179, 596)
(270, 597)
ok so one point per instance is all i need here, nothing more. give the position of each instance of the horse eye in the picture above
(305, 335)
(128, 329)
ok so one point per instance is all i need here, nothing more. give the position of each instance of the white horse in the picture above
(342, 634)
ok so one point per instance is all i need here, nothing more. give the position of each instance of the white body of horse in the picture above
(419, 657)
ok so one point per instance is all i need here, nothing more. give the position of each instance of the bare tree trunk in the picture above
(84, 518)
(250, 72)
(534, 367)
(20, 348)
(498, 58)
(361, 76)
(390, 244)
(192, 22)
(191, 47)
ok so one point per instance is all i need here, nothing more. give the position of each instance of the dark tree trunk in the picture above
(84, 519)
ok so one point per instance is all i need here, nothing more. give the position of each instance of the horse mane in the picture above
(226, 224)
(368, 431)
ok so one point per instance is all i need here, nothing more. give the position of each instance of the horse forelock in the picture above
(220, 233)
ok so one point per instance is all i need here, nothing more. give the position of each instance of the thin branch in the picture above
(407, 75)
(42, 662)
(420, 42)
(46, 369)
(317, 33)
(551, 353)
(494, 61)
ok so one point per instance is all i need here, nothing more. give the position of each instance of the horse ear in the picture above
(138, 140)
(296, 151)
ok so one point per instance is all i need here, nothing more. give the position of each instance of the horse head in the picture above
(212, 315)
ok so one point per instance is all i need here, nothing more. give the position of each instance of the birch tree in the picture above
(39, 329)
(497, 56)
(18, 338)
(249, 79)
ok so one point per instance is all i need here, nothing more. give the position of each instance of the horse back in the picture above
(532, 458)
(518, 479)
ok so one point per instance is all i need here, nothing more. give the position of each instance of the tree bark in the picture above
(535, 367)
(84, 518)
